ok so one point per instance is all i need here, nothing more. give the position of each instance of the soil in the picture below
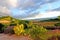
(54, 37)
(13, 37)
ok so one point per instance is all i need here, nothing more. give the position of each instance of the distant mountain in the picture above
(44, 16)
(42, 19)
(39, 16)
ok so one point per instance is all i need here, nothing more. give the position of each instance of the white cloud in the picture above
(5, 5)
(12, 3)
(25, 3)
(4, 10)
(44, 15)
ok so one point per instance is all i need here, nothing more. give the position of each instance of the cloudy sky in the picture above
(30, 9)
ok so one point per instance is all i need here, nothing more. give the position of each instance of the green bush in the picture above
(57, 24)
(2, 27)
(36, 32)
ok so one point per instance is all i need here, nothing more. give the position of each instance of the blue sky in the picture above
(27, 8)
(40, 6)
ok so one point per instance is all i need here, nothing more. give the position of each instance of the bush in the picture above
(19, 29)
(1, 28)
(36, 32)
(57, 24)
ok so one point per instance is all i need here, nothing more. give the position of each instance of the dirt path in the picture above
(13, 37)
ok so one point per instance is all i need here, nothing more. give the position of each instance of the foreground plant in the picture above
(36, 32)
(19, 29)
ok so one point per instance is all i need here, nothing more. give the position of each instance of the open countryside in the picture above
(11, 28)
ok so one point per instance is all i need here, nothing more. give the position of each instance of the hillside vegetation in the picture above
(34, 29)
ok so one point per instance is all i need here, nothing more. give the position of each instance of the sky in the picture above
(30, 9)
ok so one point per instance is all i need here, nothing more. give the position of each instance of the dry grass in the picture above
(45, 23)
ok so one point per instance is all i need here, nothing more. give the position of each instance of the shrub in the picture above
(1, 28)
(57, 24)
(19, 29)
(36, 32)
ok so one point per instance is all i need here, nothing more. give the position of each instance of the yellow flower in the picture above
(19, 29)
